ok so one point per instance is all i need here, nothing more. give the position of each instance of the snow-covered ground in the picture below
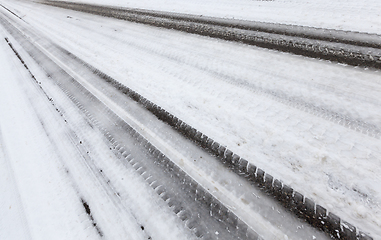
(349, 15)
(274, 109)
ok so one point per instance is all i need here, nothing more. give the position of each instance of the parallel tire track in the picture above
(352, 48)
(295, 202)
(203, 204)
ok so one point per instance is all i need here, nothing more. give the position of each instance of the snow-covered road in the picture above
(314, 125)
(348, 15)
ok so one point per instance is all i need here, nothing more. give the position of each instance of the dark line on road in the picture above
(10, 11)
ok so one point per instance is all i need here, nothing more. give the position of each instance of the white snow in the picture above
(222, 89)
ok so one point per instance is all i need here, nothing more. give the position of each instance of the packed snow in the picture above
(266, 106)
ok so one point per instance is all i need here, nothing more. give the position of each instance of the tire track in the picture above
(320, 110)
(355, 49)
(294, 201)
